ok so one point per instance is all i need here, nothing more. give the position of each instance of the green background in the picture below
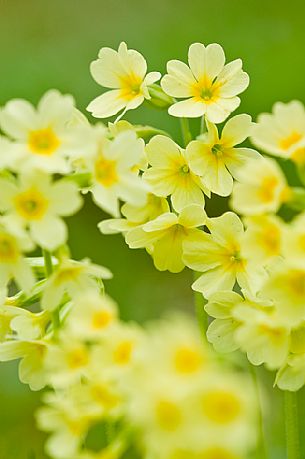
(49, 44)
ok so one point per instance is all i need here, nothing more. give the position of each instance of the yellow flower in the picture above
(292, 375)
(221, 331)
(294, 240)
(135, 215)
(282, 133)
(215, 159)
(34, 201)
(114, 169)
(43, 137)
(91, 316)
(74, 278)
(164, 236)
(286, 288)
(218, 255)
(263, 239)
(262, 334)
(170, 173)
(31, 367)
(13, 242)
(124, 72)
(261, 188)
(209, 86)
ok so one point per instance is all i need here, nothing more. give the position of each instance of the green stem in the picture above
(261, 446)
(292, 425)
(200, 302)
(49, 269)
(186, 133)
(203, 127)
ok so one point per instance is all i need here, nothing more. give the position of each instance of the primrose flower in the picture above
(31, 367)
(294, 240)
(115, 172)
(221, 331)
(92, 316)
(209, 86)
(215, 159)
(13, 243)
(286, 287)
(135, 215)
(282, 133)
(42, 138)
(34, 201)
(218, 255)
(262, 334)
(163, 237)
(261, 188)
(74, 278)
(291, 376)
(124, 72)
(264, 238)
(170, 173)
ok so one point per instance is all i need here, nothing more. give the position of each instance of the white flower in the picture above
(44, 137)
(124, 72)
(209, 86)
(37, 203)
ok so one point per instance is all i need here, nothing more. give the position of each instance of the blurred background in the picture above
(49, 44)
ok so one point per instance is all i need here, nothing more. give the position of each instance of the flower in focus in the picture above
(209, 86)
(124, 72)
(219, 257)
(282, 133)
(43, 138)
(164, 236)
(74, 278)
(170, 173)
(34, 201)
(261, 188)
(215, 159)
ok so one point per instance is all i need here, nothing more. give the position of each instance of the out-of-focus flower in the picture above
(34, 201)
(261, 188)
(282, 133)
(43, 138)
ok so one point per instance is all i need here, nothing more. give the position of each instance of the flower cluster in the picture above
(160, 390)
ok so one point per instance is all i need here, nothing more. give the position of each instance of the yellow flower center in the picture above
(9, 252)
(123, 352)
(69, 274)
(168, 415)
(101, 319)
(77, 358)
(102, 395)
(43, 141)
(267, 188)
(187, 360)
(217, 150)
(296, 282)
(298, 156)
(184, 169)
(221, 406)
(130, 86)
(276, 335)
(290, 140)
(105, 171)
(271, 239)
(205, 91)
(31, 204)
